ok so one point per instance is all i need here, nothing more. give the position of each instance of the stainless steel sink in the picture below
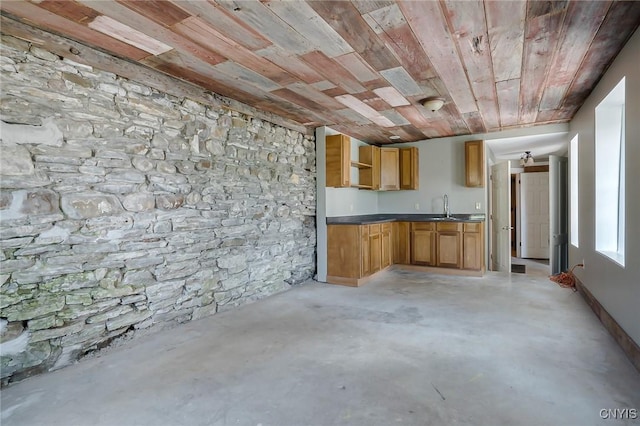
(446, 219)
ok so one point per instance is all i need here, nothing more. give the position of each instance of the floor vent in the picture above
(520, 269)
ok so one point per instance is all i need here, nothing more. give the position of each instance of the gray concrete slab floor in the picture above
(408, 348)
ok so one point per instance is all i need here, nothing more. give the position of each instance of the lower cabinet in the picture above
(375, 247)
(401, 243)
(355, 252)
(449, 245)
(423, 243)
(472, 246)
(365, 256)
(387, 245)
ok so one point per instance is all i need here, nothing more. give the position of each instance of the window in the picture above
(610, 174)
(573, 176)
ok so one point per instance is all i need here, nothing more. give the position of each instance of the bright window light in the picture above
(573, 177)
(610, 174)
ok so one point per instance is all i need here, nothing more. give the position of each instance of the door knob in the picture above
(507, 228)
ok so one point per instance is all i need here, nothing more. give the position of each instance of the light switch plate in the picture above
(478, 205)
(417, 206)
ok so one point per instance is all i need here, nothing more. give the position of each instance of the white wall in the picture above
(321, 204)
(617, 288)
(441, 171)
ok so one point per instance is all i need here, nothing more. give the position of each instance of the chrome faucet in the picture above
(446, 205)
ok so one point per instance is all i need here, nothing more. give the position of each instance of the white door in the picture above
(559, 214)
(534, 222)
(501, 217)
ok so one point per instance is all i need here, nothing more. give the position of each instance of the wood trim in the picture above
(629, 347)
(534, 169)
(354, 282)
(439, 270)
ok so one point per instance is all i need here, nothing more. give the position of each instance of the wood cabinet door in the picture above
(401, 243)
(474, 164)
(409, 177)
(365, 254)
(375, 252)
(423, 248)
(343, 251)
(472, 250)
(448, 249)
(387, 245)
(338, 161)
(389, 169)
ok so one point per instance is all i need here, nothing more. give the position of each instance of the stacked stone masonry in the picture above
(124, 209)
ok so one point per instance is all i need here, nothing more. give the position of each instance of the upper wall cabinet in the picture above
(389, 169)
(409, 176)
(474, 164)
(369, 176)
(338, 150)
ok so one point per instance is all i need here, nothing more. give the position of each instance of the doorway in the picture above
(530, 216)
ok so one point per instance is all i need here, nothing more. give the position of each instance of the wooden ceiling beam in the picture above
(45, 19)
(578, 30)
(542, 32)
(468, 24)
(622, 20)
(425, 19)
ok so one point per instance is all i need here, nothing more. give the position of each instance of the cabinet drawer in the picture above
(386, 227)
(449, 226)
(423, 226)
(374, 229)
(472, 227)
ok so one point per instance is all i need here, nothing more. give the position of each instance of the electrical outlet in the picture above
(478, 205)
(351, 207)
(417, 206)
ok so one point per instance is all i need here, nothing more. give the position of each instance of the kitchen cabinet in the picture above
(365, 255)
(423, 243)
(409, 170)
(375, 247)
(345, 259)
(387, 245)
(338, 161)
(449, 244)
(369, 155)
(389, 169)
(401, 235)
(474, 164)
(355, 252)
(472, 246)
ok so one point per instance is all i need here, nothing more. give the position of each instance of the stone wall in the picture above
(125, 209)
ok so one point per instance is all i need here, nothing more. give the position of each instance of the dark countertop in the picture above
(403, 217)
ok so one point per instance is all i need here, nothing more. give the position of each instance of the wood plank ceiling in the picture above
(362, 67)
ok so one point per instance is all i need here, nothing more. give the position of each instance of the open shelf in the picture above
(360, 165)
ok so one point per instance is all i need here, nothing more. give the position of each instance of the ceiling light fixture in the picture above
(526, 159)
(433, 103)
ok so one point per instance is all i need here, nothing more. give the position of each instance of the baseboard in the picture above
(441, 271)
(353, 282)
(629, 347)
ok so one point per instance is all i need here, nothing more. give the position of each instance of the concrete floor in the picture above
(406, 349)
(534, 267)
